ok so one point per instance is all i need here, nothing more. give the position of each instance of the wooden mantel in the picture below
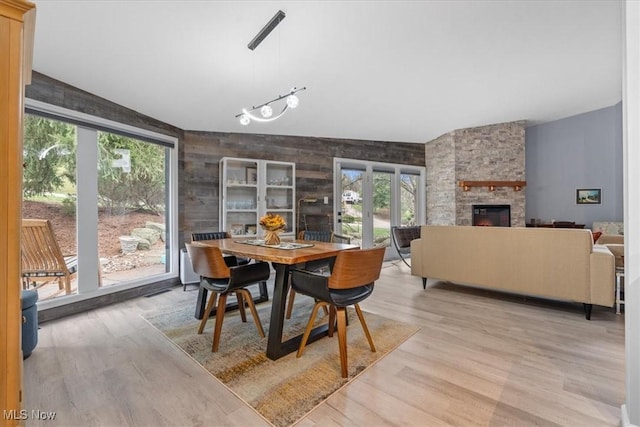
(492, 185)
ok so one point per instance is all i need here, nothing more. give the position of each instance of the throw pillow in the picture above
(596, 236)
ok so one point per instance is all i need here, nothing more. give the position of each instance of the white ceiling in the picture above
(380, 70)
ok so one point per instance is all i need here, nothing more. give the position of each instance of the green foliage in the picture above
(381, 191)
(50, 166)
(49, 147)
(140, 187)
(69, 205)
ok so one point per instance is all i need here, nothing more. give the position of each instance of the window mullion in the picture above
(86, 210)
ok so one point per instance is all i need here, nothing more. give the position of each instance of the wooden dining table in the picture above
(282, 260)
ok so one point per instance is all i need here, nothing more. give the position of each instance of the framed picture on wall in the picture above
(588, 196)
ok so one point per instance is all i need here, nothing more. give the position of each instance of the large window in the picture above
(109, 191)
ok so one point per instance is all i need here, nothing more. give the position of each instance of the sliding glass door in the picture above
(371, 197)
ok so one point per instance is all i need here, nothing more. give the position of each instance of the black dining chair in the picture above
(214, 235)
(220, 279)
(351, 281)
(316, 265)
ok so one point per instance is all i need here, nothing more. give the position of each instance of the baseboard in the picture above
(104, 300)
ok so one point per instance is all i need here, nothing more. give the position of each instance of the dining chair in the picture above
(317, 222)
(220, 279)
(351, 281)
(231, 261)
(316, 265)
(214, 235)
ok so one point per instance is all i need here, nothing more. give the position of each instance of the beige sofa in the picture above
(615, 243)
(553, 263)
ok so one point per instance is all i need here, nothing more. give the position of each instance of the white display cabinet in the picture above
(252, 188)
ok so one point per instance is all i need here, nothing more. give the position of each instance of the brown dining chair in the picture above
(220, 279)
(316, 265)
(351, 281)
(230, 260)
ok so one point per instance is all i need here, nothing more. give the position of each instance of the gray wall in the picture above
(583, 151)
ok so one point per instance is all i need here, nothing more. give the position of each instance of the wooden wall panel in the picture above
(55, 92)
(199, 182)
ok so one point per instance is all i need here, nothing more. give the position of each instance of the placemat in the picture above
(282, 245)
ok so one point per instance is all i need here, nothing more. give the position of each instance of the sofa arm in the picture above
(602, 275)
(618, 252)
(416, 257)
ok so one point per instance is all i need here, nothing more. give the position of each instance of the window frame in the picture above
(88, 125)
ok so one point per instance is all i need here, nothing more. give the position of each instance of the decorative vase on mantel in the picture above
(272, 237)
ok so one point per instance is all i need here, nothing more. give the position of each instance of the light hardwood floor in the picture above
(480, 358)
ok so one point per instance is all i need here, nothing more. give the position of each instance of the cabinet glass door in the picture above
(279, 192)
(241, 198)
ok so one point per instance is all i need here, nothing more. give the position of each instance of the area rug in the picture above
(282, 391)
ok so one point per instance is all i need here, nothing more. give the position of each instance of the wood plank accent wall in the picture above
(202, 151)
(55, 92)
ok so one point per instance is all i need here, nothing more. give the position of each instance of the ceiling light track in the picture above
(263, 33)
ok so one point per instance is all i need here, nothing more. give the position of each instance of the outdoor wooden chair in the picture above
(42, 259)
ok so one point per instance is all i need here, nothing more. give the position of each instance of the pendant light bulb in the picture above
(292, 101)
(244, 120)
(266, 111)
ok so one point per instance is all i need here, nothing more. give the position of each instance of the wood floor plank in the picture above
(481, 358)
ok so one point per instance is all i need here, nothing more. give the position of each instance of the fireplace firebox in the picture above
(492, 215)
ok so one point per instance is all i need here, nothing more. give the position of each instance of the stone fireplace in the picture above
(487, 153)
